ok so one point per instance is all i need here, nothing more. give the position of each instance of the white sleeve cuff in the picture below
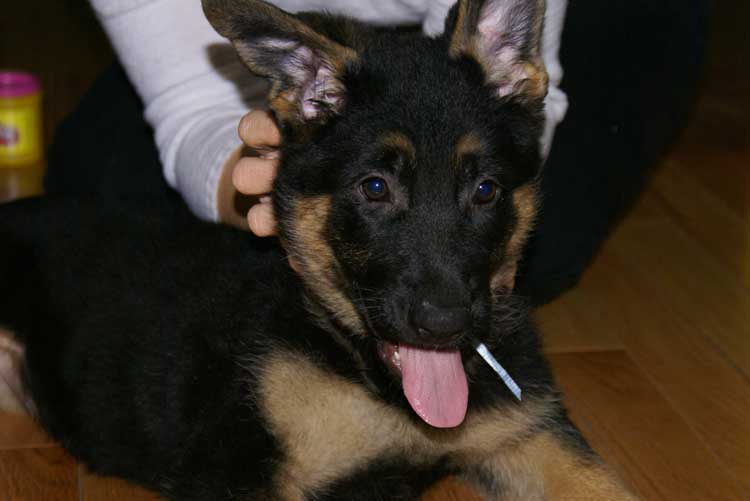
(194, 89)
(196, 131)
(201, 150)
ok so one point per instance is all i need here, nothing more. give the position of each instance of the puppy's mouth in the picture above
(434, 381)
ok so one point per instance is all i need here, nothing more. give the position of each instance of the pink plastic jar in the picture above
(20, 135)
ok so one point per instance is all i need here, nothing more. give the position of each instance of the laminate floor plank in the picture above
(630, 423)
(580, 320)
(671, 345)
(696, 209)
(18, 431)
(46, 474)
(715, 150)
(712, 300)
(95, 488)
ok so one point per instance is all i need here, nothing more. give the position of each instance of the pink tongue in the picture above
(435, 384)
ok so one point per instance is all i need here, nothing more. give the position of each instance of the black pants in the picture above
(631, 72)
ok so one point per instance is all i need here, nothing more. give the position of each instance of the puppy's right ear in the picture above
(305, 67)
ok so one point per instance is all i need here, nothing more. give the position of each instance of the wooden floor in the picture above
(652, 349)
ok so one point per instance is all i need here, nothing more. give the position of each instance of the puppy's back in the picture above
(132, 315)
(75, 258)
(20, 234)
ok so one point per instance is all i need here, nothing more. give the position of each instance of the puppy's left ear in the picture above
(505, 37)
(305, 67)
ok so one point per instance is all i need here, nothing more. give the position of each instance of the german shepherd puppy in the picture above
(191, 359)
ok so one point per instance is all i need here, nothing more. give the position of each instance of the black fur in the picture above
(142, 326)
(146, 330)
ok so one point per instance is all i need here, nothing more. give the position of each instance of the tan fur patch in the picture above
(318, 265)
(398, 142)
(524, 204)
(483, 434)
(536, 82)
(525, 79)
(543, 468)
(462, 32)
(329, 427)
(284, 104)
(468, 144)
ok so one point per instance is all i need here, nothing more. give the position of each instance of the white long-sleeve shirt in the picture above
(194, 98)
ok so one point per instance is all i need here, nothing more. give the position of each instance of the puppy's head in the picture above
(406, 190)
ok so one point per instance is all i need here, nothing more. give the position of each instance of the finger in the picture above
(254, 176)
(258, 130)
(261, 220)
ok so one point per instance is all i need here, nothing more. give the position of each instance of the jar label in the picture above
(20, 137)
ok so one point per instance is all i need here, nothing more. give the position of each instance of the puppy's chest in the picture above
(329, 428)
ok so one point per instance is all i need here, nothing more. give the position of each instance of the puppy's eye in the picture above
(375, 189)
(486, 192)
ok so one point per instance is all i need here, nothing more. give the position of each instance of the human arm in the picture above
(194, 97)
(194, 94)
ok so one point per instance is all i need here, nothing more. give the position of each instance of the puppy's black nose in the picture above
(439, 322)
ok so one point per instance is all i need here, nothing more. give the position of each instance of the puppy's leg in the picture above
(13, 396)
(551, 465)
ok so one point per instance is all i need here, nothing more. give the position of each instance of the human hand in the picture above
(251, 175)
